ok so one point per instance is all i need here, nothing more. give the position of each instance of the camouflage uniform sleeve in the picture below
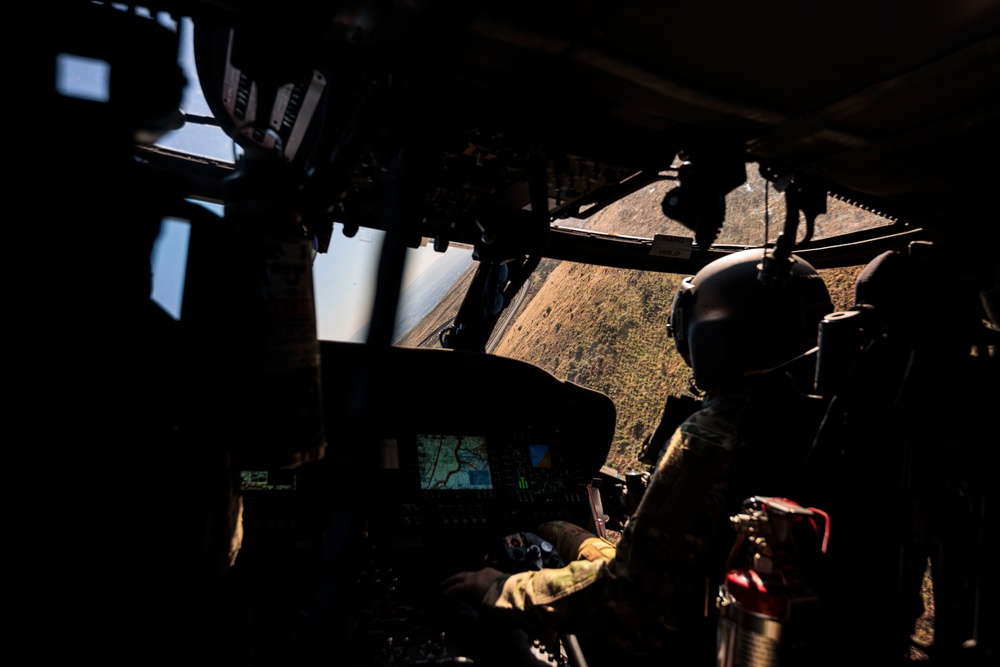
(537, 596)
(573, 542)
(538, 593)
(655, 573)
(662, 548)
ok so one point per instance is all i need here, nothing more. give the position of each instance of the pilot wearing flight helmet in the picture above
(743, 331)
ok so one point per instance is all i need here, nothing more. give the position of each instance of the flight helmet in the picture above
(732, 320)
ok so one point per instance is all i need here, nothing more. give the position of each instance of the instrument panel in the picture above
(450, 453)
(467, 481)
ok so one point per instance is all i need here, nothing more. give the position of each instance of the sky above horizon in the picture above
(344, 277)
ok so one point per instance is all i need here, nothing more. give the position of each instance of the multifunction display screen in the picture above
(538, 469)
(453, 462)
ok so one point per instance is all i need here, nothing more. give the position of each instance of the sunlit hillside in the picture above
(605, 328)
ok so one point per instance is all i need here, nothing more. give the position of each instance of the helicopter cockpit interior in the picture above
(213, 482)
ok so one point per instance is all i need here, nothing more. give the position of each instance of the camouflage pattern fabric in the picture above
(572, 542)
(644, 595)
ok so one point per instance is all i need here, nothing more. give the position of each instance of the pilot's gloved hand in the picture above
(472, 585)
(575, 543)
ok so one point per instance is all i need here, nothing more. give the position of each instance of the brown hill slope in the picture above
(605, 328)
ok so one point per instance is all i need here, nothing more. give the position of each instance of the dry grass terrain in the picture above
(605, 328)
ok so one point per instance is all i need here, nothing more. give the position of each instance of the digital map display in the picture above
(453, 462)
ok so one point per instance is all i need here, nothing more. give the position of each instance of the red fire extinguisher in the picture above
(764, 602)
